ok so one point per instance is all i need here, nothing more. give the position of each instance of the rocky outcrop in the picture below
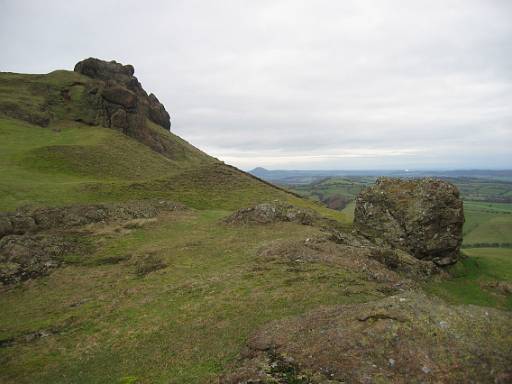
(408, 338)
(26, 256)
(35, 241)
(384, 265)
(267, 213)
(423, 217)
(33, 220)
(114, 98)
(121, 91)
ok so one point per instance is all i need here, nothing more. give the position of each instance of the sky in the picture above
(383, 84)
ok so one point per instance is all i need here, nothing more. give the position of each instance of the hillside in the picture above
(129, 256)
(55, 150)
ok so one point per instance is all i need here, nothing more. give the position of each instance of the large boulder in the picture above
(423, 217)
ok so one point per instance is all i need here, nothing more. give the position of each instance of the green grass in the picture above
(75, 163)
(181, 324)
(348, 211)
(487, 223)
(49, 166)
(471, 277)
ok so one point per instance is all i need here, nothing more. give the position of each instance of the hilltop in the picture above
(127, 255)
(56, 150)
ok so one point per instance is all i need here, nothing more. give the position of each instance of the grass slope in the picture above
(75, 163)
(474, 277)
(487, 223)
(108, 324)
(68, 162)
(181, 324)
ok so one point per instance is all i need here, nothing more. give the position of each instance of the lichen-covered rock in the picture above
(267, 213)
(423, 217)
(120, 96)
(408, 338)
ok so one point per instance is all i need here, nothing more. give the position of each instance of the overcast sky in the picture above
(299, 84)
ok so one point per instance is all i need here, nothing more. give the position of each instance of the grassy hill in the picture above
(97, 319)
(66, 161)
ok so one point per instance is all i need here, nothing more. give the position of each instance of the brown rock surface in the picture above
(408, 338)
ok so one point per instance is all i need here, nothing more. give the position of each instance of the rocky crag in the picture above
(118, 97)
(97, 93)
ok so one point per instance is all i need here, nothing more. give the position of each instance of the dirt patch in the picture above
(401, 339)
(500, 287)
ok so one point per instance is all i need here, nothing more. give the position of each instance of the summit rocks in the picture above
(122, 91)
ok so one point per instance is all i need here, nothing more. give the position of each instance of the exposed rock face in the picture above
(423, 217)
(120, 90)
(27, 220)
(408, 338)
(267, 213)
